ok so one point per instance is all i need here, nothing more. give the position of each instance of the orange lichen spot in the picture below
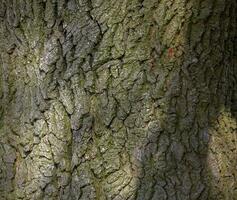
(170, 52)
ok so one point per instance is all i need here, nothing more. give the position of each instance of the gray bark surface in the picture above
(118, 99)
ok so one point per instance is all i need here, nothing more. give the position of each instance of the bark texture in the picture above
(118, 99)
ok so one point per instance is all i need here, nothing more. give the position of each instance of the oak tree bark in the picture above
(118, 99)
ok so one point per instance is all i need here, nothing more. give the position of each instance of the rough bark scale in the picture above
(118, 99)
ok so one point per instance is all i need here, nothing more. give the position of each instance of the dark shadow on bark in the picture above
(178, 161)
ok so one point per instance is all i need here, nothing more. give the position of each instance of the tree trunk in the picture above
(118, 99)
